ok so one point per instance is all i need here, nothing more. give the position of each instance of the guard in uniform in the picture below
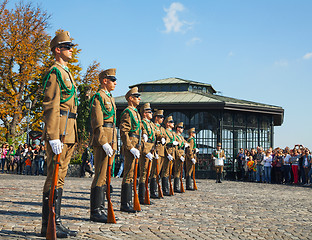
(218, 156)
(59, 97)
(148, 147)
(130, 131)
(169, 154)
(104, 136)
(160, 150)
(180, 156)
(190, 158)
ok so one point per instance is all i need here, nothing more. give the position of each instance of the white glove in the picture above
(145, 137)
(135, 152)
(175, 143)
(182, 158)
(186, 145)
(56, 146)
(196, 150)
(108, 149)
(170, 157)
(163, 141)
(156, 156)
(149, 156)
(193, 160)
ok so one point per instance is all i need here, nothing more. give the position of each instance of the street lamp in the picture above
(28, 103)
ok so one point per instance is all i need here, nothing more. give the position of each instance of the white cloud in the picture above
(193, 41)
(281, 63)
(307, 56)
(172, 21)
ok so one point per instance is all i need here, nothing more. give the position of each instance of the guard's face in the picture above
(135, 99)
(110, 85)
(160, 119)
(66, 52)
(149, 114)
(180, 129)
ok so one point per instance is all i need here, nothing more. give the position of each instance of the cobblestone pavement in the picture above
(231, 210)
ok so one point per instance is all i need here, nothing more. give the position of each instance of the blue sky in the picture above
(254, 50)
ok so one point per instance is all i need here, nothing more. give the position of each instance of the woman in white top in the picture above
(267, 159)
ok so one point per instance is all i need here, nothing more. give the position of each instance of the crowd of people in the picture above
(23, 160)
(280, 166)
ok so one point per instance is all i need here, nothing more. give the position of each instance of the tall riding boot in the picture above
(97, 205)
(189, 183)
(176, 185)
(153, 188)
(58, 221)
(126, 198)
(165, 186)
(141, 193)
(45, 218)
(220, 174)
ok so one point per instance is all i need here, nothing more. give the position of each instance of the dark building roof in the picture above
(177, 93)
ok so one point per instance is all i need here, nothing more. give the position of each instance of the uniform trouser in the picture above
(160, 162)
(143, 163)
(219, 169)
(189, 167)
(129, 165)
(100, 166)
(165, 168)
(177, 167)
(66, 155)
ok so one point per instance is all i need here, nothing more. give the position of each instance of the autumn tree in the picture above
(24, 54)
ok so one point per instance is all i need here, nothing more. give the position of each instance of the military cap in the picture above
(219, 145)
(108, 73)
(180, 124)
(191, 130)
(145, 107)
(168, 119)
(159, 113)
(132, 91)
(61, 38)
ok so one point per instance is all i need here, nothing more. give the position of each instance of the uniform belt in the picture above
(169, 145)
(70, 114)
(108, 125)
(134, 135)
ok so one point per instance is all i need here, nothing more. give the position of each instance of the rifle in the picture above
(171, 193)
(160, 193)
(110, 211)
(51, 229)
(136, 202)
(147, 196)
(194, 182)
(181, 186)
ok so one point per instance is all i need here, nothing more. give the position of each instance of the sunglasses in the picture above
(180, 127)
(112, 78)
(149, 112)
(136, 96)
(170, 121)
(67, 47)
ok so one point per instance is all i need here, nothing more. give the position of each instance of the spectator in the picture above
(267, 159)
(240, 159)
(28, 165)
(30, 156)
(41, 156)
(10, 159)
(286, 166)
(259, 164)
(306, 165)
(250, 166)
(86, 165)
(24, 156)
(36, 160)
(295, 163)
(18, 159)
(278, 163)
(3, 156)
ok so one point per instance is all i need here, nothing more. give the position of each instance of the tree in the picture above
(24, 54)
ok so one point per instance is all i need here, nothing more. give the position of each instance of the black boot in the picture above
(153, 188)
(219, 178)
(97, 205)
(126, 198)
(165, 186)
(58, 221)
(45, 218)
(189, 183)
(141, 193)
(176, 185)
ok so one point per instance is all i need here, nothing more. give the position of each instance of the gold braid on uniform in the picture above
(62, 86)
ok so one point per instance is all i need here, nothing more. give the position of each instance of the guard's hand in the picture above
(193, 160)
(135, 152)
(145, 137)
(170, 157)
(186, 145)
(182, 158)
(149, 156)
(175, 143)
(56, 146)
(163, 141)
(196, 150)
(108, 149)
(156, 156)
